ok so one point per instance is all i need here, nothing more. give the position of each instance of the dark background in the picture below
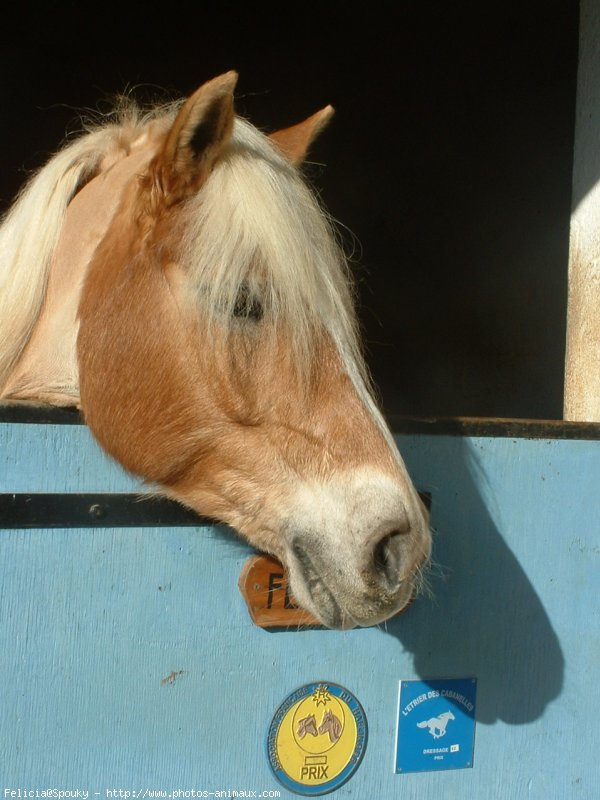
(449, 159)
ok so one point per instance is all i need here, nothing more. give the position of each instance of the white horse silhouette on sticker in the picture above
(437, 725)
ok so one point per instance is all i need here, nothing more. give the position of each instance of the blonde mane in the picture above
(30, 230)
(256, 230)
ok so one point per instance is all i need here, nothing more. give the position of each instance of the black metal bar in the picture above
(99, 510)
(93, 510)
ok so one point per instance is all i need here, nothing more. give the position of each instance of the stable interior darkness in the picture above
(449, 160)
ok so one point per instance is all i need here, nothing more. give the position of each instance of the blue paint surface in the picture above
(436, 725)
(128, 659)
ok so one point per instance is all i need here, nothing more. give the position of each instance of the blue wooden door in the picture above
(128, 662)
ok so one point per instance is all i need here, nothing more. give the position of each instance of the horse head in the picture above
(217, 353)
(331, 725)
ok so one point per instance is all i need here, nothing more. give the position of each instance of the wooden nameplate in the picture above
(264, 586)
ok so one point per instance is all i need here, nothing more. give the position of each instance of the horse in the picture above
(331, 724)
(172, 274)
(437, 725)
(307, 725)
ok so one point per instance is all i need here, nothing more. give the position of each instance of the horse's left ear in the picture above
(295, 141)
(198, 135)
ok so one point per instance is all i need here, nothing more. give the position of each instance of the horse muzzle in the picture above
(345, 592)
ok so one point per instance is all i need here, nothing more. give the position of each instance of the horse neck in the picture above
(47, 368)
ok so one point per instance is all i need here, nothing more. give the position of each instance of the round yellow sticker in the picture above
(317, 738)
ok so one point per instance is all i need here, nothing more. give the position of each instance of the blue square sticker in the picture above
(436, 724)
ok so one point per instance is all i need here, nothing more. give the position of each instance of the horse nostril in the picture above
(387, 560)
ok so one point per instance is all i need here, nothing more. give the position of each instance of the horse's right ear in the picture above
(199, 133)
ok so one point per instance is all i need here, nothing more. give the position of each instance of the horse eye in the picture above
(247, 305)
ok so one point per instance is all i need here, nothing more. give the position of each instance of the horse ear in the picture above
(295, 141)
(198, 135)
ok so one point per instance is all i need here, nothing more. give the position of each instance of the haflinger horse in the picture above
(172, 274)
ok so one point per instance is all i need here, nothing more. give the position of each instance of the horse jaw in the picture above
(354, 543)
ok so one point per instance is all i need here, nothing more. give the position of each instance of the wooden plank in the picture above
(264, 586)
(39, 415)
(129, 659)
(495, 427)
(59, 458)
(582, 364)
